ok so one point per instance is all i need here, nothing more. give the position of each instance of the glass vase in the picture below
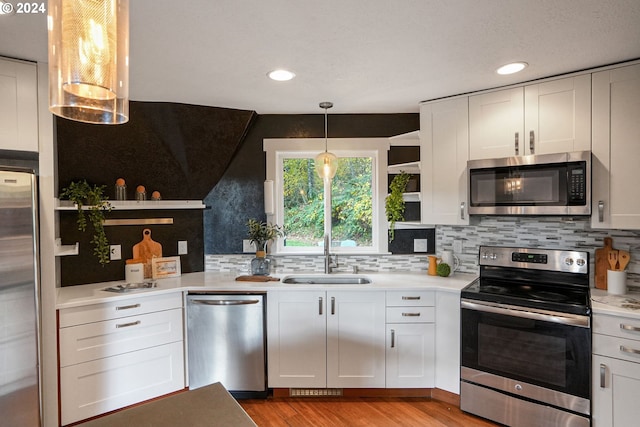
(261, 265)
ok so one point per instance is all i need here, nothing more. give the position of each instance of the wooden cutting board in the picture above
(257, 279)
(146, 250)
(602, 263)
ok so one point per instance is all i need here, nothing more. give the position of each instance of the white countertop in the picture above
(627, 305)
(79, 295)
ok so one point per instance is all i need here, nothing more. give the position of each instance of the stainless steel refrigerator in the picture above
(19, 319)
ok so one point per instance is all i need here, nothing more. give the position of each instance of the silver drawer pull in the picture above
(410, 314)
(393, 338)
(603, 375)
(125, 325)
(629, 350)
(128, 307)
(629, 327)
(410, 298)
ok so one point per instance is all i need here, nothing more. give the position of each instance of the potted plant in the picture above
(261, 233)
(83, 194)
(394, 204)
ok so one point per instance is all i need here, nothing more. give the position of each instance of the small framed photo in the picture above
(165, 267)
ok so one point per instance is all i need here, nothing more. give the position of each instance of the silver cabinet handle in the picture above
(410, 314)
(600, 211)
(333, 305)
(410, 298)
(629, 327)
(517, 136)
(320, 306)
(629, 350)
(532, 140)
(462, 205)
(603, 374)
(393, 338)
(125, 325)
(128, 307)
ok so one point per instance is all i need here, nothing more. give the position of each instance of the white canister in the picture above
(134, 273)
(449, 258)
(616, 282)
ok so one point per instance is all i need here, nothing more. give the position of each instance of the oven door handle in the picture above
(546, 316)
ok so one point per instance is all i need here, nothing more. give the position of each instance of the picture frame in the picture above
(165, 267)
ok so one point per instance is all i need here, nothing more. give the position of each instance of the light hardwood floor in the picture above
(353, 412)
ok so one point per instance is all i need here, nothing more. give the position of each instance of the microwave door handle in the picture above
(517, 144)
(532, 140)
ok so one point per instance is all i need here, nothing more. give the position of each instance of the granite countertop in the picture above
(627, 305)
(74, 296)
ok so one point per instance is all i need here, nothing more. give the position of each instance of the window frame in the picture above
(278, 149)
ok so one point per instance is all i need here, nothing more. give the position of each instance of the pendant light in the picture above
(326, 163)
(89, 60)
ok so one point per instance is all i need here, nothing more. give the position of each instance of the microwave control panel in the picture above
(577, 183)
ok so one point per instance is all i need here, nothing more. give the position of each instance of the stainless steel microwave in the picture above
(543, 184)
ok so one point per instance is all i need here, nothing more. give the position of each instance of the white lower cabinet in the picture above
(615, 371)
(117, 354)
(410, 349)
(320, 339)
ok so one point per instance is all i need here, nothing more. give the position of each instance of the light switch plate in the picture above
(247, 247)
(420, 245)
(115, 252)
(182, 247)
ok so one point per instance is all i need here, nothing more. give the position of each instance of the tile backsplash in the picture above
(536, 232)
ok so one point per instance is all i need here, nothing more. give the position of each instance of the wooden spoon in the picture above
(623, 258)
(613, 259)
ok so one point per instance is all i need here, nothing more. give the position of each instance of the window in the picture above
(348, 209)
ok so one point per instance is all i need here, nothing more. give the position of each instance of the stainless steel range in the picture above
(526, 338)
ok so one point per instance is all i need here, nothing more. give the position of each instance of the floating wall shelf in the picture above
(123, 205)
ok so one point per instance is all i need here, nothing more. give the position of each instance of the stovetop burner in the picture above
(534, 278)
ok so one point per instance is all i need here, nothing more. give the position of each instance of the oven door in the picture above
(547, 350)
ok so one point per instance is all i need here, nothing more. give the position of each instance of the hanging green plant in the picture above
(394, 204)
(83, 194)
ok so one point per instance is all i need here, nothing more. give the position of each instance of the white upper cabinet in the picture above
(616, 151)
(549, 117)
(18, 106)
(444, 151)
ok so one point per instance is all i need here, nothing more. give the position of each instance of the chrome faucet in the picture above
(328, 263)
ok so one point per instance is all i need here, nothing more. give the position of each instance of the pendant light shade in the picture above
(326, 163)
(89, 60)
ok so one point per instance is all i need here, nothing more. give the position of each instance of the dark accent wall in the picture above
(239, 194)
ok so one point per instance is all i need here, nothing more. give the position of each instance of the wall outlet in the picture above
(115, 252)
(182, 247)
(247, 246)
(457, 246)
(420, 245)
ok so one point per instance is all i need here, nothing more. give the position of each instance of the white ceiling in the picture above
(367, 56)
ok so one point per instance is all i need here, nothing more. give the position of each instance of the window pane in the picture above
(351, 210)
(303, 203)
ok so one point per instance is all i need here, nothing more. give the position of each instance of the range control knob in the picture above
(494, 256)
(518, 387)
(581, 262)
(568, 261)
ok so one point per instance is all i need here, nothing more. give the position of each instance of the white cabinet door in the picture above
(444, 151)
(296, 339)
(557, 116)
(103, 385)
(356, 339)
(18, 106)
(496, 127)
(616, 127)
(615, 392)
(410, 355)
(447, 341)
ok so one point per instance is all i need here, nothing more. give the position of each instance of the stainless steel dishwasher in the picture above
(226, 342)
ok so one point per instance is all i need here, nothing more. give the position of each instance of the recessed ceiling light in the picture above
(514, 67)
(281, 75)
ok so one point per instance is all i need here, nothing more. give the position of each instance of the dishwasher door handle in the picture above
(224, 301)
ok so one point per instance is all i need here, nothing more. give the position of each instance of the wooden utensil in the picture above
(623, 259)
(613, 260)
(602, 263)
(146, 250)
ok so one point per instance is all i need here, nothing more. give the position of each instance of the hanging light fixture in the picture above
(326, 163)
(89, 60)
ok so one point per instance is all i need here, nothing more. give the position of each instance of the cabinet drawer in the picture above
(93, 388)
(411, 314)
(411, 298)
(616, 326)
(92, 341)
(620, 348)
(117, 309)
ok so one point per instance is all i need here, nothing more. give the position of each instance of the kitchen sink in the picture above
(128, 287)
(327, 280)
